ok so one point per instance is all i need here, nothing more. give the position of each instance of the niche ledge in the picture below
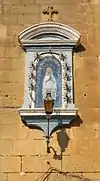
(36, 117)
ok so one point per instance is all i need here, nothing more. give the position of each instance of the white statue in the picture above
(49, 84)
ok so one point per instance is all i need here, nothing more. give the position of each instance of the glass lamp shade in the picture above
(48, 105)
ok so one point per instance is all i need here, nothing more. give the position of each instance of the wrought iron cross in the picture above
(50, 11)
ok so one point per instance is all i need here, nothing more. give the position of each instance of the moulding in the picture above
(39, 43)
(37, 118)
(62, 31)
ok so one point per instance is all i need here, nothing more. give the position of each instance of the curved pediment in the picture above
(49, 31)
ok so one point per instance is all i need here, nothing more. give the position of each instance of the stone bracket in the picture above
(36, 118)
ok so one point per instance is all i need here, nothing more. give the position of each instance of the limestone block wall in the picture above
(23, 155)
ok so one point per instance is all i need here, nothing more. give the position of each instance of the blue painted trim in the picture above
(40, 121)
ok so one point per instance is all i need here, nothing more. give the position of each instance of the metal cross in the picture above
(50, 11)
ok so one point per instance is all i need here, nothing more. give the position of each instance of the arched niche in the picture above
(45, 43)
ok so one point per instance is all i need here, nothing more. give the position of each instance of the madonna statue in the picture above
(49, 84)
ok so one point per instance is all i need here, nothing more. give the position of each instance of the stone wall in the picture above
(23, 155)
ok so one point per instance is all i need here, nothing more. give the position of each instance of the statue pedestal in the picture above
(36, 118)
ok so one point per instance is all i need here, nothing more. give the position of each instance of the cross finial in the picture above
(50, 11)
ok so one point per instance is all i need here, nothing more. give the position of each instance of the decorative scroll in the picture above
(64, 84)
(67, 96)
(32, 82)
(69, 84)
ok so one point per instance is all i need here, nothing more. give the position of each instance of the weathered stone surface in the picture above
(3, 31)
(10, 164)
(14, 30)
(5, 64)
(78, 146)
(2, 52)
(86, 163)
(40, 163)
(29, 2)
(3, 176)
(97, 2)
(28, 19)
(12, 76)
(6, 147)
(8, 131)
(29, 147)
(13, 131)
(59, 2)
(11, 2)
(12, 52)
(92, 176)
(11, 89)
(36, 134)
(10, 20)
(11, 101)
(9, 116)
(24, 9)
(18, 63)
(23, 176)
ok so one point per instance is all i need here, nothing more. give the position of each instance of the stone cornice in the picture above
(56, 30)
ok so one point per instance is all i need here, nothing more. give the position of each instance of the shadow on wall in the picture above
(55, 174)
(79, 48)
(62, 137)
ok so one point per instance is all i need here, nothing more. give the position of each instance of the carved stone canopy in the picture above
(50, 45)
(49, 31)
